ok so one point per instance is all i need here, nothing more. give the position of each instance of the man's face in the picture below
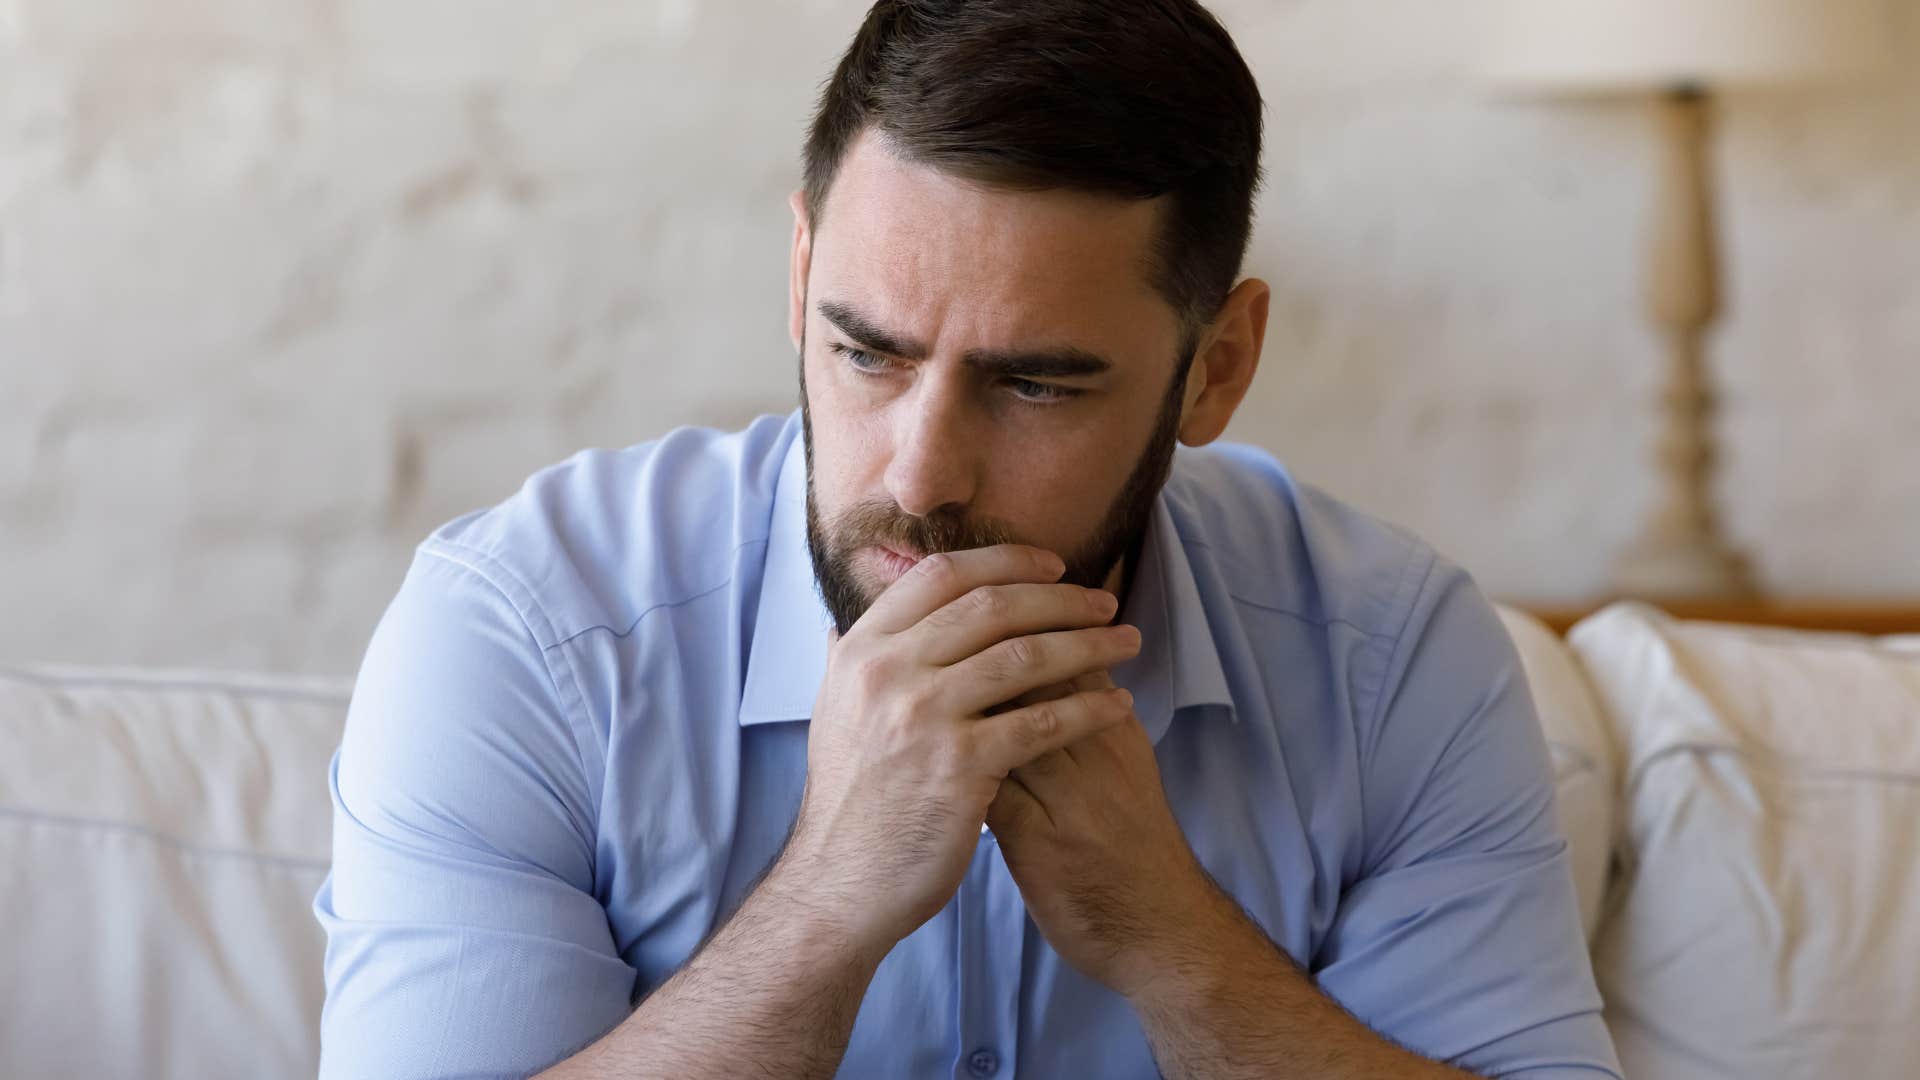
(978, 366)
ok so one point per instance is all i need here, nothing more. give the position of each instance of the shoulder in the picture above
(1279, 544)
(602, 537)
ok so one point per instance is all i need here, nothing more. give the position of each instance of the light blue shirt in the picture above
(579, 734)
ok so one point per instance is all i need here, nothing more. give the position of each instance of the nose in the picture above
(934, 461)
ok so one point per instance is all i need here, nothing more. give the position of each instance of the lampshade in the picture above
(1609, 46)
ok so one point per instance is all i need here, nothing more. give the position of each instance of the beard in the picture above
(880, 522)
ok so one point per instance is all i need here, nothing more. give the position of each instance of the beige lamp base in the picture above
(1683, 553)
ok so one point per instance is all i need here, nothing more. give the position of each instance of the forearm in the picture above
(1230, 1004)
(774, 993)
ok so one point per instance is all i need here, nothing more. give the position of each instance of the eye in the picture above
(860, 359)
(1039, 393)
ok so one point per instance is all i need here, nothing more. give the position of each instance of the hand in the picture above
(902, 758)
(1099, 858)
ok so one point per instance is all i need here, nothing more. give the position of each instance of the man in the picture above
(960, 726)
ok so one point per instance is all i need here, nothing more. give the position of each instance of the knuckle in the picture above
(870, 672)
(994, 666)
(1042, 723)
(1021, 654)
(998, 668)
(920, 698)
(946, 617)
(990, 602)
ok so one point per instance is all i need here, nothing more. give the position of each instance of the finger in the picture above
(944, 577)
(1014, 810)
(991, 614)
(1013, 667)
(1054, 693)
(1098, 679)
(1044, 769)
(1005, 742)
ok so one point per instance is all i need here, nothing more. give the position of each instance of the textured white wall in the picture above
(286, 283)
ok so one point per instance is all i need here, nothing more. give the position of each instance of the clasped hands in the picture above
(975, 689)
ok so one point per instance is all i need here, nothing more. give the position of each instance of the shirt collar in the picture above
(1178, 667)
(790, 627)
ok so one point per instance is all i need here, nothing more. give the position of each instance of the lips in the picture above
(896, 562)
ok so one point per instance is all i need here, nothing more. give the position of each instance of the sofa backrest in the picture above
(1766, 918)
(161, 839)
(1585, 767)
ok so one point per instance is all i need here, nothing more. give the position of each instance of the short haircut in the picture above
(1131, 98)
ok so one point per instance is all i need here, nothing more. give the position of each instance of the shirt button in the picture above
(983, 1062)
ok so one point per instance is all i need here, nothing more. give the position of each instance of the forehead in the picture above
(962, 265)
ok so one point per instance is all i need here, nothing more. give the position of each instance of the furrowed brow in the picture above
(868, 334)
(1065, 362)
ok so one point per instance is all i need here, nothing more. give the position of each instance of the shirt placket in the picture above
(991, 928)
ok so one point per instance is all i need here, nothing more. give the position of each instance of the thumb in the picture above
(1011, 809)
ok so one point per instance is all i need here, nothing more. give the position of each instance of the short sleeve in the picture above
(1461, 938)
(463, 934)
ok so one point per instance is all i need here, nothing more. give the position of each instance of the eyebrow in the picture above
(1059, 362)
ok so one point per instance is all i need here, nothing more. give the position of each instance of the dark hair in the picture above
(1134, 98)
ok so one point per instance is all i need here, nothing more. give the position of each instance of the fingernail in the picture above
(1126, 697)
(1104, 601)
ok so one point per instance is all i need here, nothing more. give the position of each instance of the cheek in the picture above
(849, 449)
(1057, 493)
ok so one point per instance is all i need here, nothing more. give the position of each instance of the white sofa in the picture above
(1743, 807)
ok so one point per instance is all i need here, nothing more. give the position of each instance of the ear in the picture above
(799, 263)
(1224, 364)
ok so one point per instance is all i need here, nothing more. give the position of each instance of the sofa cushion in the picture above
(1584, 772)
(1766, 920)
(161, 839)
